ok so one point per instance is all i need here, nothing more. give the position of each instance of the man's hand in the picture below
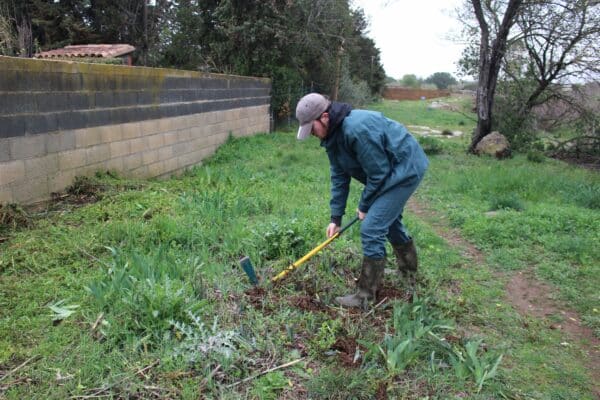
(361, 215)
(332, 229)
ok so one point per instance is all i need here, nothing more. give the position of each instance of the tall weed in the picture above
(140, 294)
(587, 195)
(418, 334)
(414, 327)
(469, 361)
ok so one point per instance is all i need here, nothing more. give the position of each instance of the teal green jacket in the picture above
(373, 149)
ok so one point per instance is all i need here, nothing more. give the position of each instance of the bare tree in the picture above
(7, 35)
(25, 38)
(535, 45)
(562, 41)
(495, 21)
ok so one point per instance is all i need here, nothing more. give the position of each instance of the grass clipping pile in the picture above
(13, 216)
(84, 190)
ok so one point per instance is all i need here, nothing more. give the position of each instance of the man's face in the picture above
(320, 126)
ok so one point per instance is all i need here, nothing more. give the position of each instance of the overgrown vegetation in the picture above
(430, 145)
(302, 46)
(531, 52)
(139, 294)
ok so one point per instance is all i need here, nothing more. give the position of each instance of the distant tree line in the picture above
(302, 45)
(441, 80)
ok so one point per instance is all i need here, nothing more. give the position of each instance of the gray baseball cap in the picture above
(309, 108)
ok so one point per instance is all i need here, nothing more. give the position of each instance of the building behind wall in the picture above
(102, 53)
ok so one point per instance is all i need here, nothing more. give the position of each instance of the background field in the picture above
(138, 294)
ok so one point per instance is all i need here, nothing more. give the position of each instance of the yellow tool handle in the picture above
(301, 261)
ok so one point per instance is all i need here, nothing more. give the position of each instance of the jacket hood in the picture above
(337, 113)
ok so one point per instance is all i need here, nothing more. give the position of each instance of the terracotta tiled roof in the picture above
(88, 50)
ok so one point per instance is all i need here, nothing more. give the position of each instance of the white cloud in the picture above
(413, 35)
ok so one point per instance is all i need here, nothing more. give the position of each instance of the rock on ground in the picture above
(495, 144)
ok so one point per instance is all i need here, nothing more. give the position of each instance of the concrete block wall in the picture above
(59, 120)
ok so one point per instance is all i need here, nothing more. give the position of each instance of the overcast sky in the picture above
(412, 35)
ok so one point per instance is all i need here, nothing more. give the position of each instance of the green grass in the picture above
(420, 113)
(162, 308)
(547, 219)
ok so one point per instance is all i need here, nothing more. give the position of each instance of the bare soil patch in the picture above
(452, 236)
(393, 293)
(527, 295)
(307, 303)
(381, 393)
(347, 348)
(312, 304)
(534, 298)
(257, 297)
(300, 344)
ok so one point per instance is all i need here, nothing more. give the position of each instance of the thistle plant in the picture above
(201, 343)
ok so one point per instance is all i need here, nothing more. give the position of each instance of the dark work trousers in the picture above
(384, 220)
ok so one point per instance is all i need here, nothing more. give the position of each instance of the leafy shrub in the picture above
(326, 335)
(516, 126)
(587, 195)
(286, 90)
(550, 147)
(537, 145)
(573, 247)
(430, 145)
(280, 241)
(506, 202)
(535, 156)
(268, 386)
(355, 92)
(441, 80)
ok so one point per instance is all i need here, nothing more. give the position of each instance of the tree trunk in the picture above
(145, 42)
(490, 59)
(338, 72)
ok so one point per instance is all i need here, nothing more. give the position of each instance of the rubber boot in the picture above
(368, 283)
(407, 261)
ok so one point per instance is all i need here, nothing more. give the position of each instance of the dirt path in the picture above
(524, 292)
